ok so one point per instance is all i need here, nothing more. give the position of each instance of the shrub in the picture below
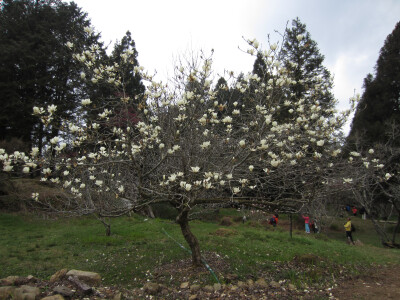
(226, 221)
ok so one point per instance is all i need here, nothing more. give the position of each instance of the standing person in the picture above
(354, 211)
(314, 226)
(348, 228)
(307, 223)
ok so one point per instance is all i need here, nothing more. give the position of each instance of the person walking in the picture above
(307, 223)
(348, 229)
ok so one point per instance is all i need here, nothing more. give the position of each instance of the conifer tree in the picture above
(379, 108)
(304, 65)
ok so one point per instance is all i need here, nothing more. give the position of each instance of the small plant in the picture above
(226, 221)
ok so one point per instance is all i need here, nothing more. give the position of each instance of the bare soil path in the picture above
(382, 283)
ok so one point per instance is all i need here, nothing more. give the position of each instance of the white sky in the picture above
(349, 33)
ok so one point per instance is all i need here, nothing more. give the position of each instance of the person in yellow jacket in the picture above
(347, 227)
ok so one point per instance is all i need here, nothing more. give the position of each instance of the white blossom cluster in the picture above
(184, 142)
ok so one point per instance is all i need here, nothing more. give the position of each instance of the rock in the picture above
(193, 297)
(217, 287)
(195, 287)
(241, 284)
(208, 289)
(275, 284)
(63, 290)
(231, 277)
(151, 288)
(6, 292)
(10, 280)
(80, 285)
(54, 297)
(250, 282)
(90, 278)
(184, 285)
(26, 292)
(291, 287)
(262, 283)
(59, 275)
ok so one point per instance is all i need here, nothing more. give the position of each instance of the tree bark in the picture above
(183, 222)
(395, 230)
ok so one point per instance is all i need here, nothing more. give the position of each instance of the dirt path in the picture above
(383, 283)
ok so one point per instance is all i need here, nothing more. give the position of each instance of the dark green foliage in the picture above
(378, 109)
(303, 62)
(36, 66)
(133, 85)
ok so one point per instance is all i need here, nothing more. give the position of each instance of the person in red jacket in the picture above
(354, 211)
(307, 223)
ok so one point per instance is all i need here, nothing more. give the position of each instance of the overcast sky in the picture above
(349, 33)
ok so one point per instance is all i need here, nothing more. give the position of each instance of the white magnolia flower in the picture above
(86, 102)
(320, 143)
(227, 119)
(251, 168)
(7, 168)
(353, 153)
(371, 151)
(35, 196)
(195, 169)
(242, 143)
(347, 180)
(229, 176)
(188, 187)
(299, 37)
(205, 145)
(273, 47)
(172, 178)
(161, 146)
(236, 190)
(82, 186)
(275, 162)
(51, 108)
(121, 189)
(35, 151)
(69, 45)
(54, 140)
(222, 182)
(25, 170)
(99, 182)
(66, 173)
(46, 171)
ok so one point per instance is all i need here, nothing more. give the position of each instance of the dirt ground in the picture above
(381, 283)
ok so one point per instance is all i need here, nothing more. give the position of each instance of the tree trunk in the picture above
(382, 235)
(183, 222)
(395, 230)
(107, 226)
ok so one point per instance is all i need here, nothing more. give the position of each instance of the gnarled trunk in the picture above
(183, 222)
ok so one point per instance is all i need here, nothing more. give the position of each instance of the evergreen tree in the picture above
(36, 64)
(379, 107)
(303, 62)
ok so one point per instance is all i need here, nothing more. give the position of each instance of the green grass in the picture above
(30, 245)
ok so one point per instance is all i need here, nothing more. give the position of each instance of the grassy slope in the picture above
(41, 247)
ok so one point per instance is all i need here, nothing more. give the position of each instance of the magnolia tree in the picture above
(372, 177)
(178, 144)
